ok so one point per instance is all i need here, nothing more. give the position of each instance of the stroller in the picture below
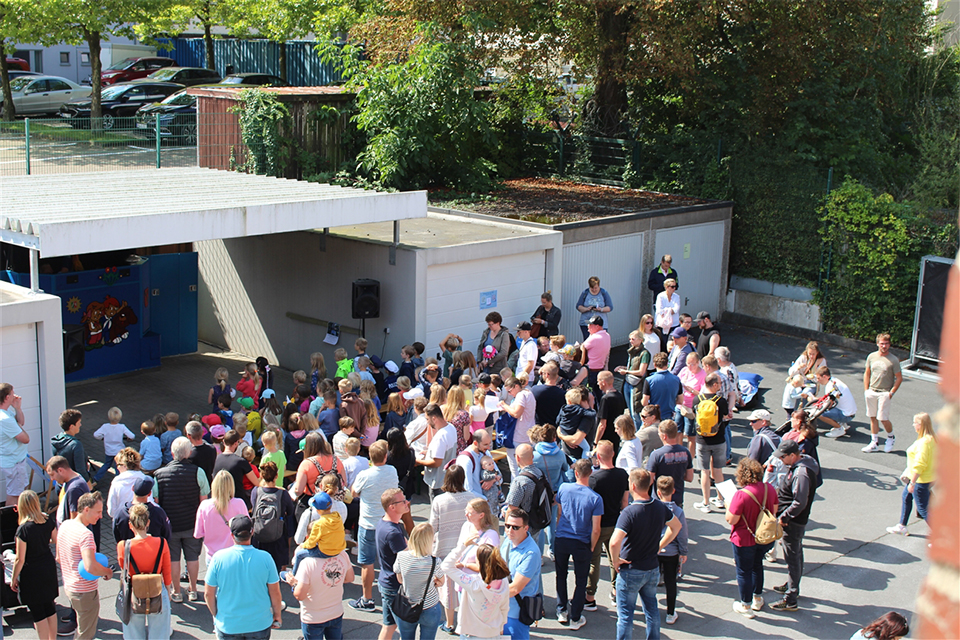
(813, 411)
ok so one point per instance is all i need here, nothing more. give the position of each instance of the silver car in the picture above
(34, 95)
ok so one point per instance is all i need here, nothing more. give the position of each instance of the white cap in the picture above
(760, 414)
(413, 394)
(391, 366)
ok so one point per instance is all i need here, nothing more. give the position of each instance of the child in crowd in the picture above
(329, 416)
(344, 364)
(478, 410)
(224, 410)
(416, 430)
(347, 431)
(250, 383)
(272, 451)
(449, 347)
(417, 360)
(326, 539)
(407, 368)
(150, 452)
(368, 390)
(248, 454)
(489, 471)
(254, 425)
(240, 426)
(302, 397)
(221, 386)
(390, 378)
(354, 379)
(674, 554)
(372, 430)
(217, 432)
(466, 385)
(360, 346)
(318, 369)
(171, 433)
(353, 462)
(575, 421)
(112, 433)
(68, 445)
(271, 409)
(793, 394)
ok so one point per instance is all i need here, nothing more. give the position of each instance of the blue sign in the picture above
(488, 299)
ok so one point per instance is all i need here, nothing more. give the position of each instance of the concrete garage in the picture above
(447, 273)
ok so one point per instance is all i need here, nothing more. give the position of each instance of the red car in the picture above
(18, 63)
(130, 69)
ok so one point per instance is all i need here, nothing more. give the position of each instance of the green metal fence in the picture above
(600, 160)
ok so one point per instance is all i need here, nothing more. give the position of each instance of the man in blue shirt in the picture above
(523, 557)
(663, 388)
(243, 588)
(578, 529)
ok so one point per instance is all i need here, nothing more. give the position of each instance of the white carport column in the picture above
(34, 270)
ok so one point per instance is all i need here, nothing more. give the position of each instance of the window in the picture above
(57, 85)
(37, 61)
(64, 58)
(85, 58)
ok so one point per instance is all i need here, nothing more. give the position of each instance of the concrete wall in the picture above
(780, 303)
(250, 284)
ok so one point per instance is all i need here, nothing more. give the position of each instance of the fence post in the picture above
(26, 140)
(156, 132)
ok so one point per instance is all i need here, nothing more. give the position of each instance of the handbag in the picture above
(403, 609)
(123, 595)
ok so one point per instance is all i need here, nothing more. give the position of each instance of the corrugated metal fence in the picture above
(304, 67)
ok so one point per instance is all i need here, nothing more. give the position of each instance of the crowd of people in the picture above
(275, 490)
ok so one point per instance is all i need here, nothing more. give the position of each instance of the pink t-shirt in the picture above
(527, 419)
(743, 505)
(72, 539)
(322, 579)
(597, 346)
(694, 380)
(213, 528)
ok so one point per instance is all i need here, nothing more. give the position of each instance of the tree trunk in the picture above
(208, 44)
(9, 109)
(93, 43)
(283, 60)
(610, 92)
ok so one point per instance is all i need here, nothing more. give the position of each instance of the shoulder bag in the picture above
(403, 609)
(530, 607)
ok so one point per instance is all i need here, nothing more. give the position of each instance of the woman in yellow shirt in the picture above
(919, 474)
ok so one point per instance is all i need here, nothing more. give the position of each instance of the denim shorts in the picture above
(366, 546)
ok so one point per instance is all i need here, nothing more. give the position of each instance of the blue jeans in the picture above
(551, 532)
(728, 438)
(109, 464)
(302, 553)
(921, 492)
(516, 629)
(155, 626)
(629, 583)
(253, 635)
(331, 629)
(686, 426)
(749, 561)
(429, 623)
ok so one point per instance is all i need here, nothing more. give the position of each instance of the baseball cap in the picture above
(391, 366)
(786, 448)
(321, 501)
(524, 326)
(211, 419)
(377, 362)
(483, 378)
(246, 403)
(413, 394)
(703, 315)
(760, 414)
(267, 393)
(680, 332)
(143, 486)
(597, 320)
(217, 431)
(241, 525)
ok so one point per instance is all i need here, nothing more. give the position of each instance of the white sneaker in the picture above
(898, 529)
(836, 432)
(671, 618)
(870, 448)
(888, 445)
(757, 603)
(576, 624)
(548, 554)
(563, 617)
(771, 556)
(743, 610)
(718, 503)
(702, 507)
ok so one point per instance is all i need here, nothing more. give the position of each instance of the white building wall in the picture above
(698, 257)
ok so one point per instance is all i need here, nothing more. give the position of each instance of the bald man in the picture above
(522, 487)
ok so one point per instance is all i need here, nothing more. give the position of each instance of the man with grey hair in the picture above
(729, 369)
(204, 454)
(179, 489)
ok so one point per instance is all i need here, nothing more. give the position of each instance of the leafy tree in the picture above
(277, 20)
(19, 22)
(173, 15)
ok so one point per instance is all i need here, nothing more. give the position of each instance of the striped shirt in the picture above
(72, 539)
(414, 571)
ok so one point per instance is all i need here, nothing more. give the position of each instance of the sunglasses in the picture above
(670, 286)
(400, 502)
(515, 527)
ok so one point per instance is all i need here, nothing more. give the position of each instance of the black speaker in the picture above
(74, 355)
(366, 298)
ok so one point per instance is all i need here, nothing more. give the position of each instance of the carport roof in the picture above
(83, 213)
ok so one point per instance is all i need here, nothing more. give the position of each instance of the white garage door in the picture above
(618, 264)
(454, 293)
(697, 252)
(18, 366)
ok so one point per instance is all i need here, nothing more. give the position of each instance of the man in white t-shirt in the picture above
(440, 451)
(841, 414)
(527, 358)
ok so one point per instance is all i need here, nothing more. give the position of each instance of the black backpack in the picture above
(541, 509)
(267, 521)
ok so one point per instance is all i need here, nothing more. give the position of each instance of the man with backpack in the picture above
(612, 484)
(712, 415)
(578, 530)
(530, 492)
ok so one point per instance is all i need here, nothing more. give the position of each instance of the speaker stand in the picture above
(363, 328)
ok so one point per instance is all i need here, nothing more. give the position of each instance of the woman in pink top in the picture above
(691, 377)
(742, 514)
(214, 514)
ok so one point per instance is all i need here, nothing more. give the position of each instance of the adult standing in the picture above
(485, 599)
(549, 457)
(881, 379)
(681, 350)
(318, 585)
(709, 338)
(795, 497)
(470, 461)
(400, 456)
(578, 530)
(661, 274)
(148, 554)
(636, 542)
(418, 570)
(180, 486)
(72, 488)
(548, 394)
(765, 440)
(692, 376)
(593, 302)
(522, 556)
(595, 351)
(638, 365)
(242, 589)
(121, 487)
(672, 459)
(204, 454)
(920, 473)
(648, 432)
(495, 337)
(710, 365)
(612, 484)
(441, 450)
(391, 540)
(711, 450)
(547, 316)
(742, 514)
(279, 549)
(612, 406)
(844, 410)
(34, 575)
(318, 461)
(481, 525)
(369, 486)
(667, 311)
(649, 336)
(523, 485)
(663, 388)
(236, 465)
(527, 358)
(447, 517)
(630, 455)
(159, 522)
(215, 513)
(524, 410)
(13, 443)
(75, 543)
(729, 369)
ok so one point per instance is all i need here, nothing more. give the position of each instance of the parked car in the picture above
(118, 101)
(130, 69)
(34, 95)
(187, 76)
(17, 63)
(177, 118)
(255, 79)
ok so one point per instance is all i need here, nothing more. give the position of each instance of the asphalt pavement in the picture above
(854, 570)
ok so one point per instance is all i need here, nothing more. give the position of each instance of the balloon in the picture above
(86, 575)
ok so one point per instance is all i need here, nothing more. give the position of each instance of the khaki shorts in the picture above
(878, 404)
(15, 479)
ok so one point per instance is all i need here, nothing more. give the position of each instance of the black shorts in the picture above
(41, 611)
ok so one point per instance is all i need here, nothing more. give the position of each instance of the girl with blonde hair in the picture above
(455, 412)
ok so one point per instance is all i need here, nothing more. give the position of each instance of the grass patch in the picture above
(60, 131)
